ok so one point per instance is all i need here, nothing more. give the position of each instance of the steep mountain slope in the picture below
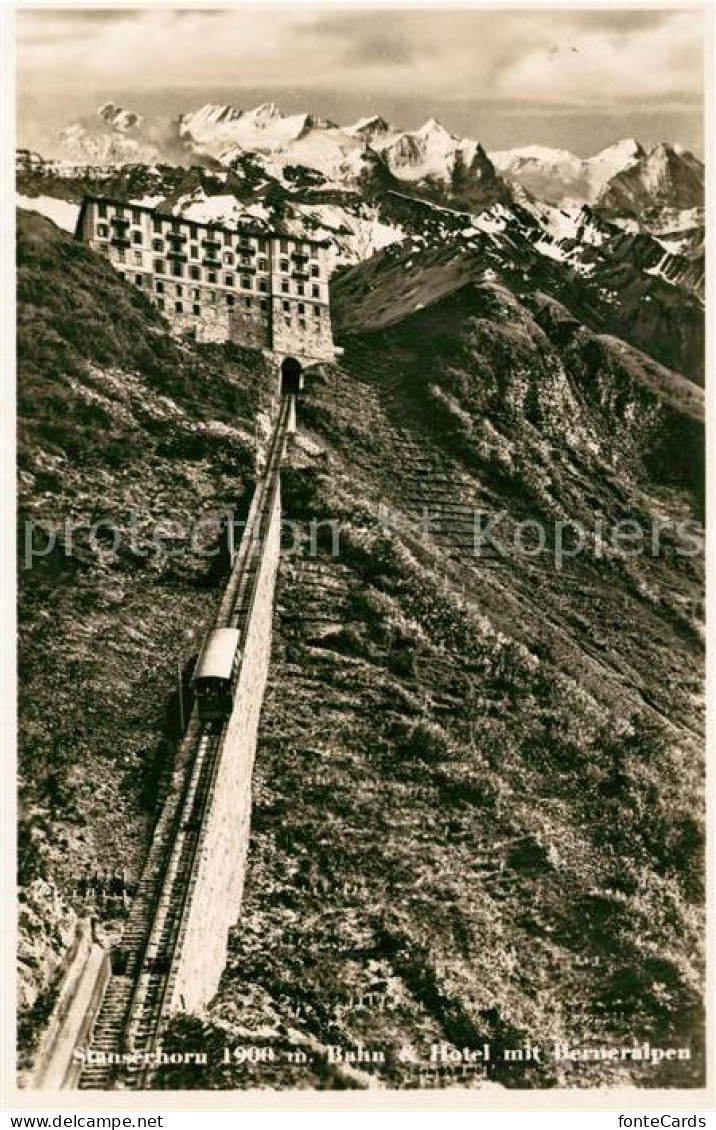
(478, 789)
(664, 178)
(119, 425)
(614, 281)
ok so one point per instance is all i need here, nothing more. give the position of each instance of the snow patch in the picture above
(63, 213)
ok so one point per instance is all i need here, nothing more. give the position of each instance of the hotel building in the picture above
(263, 289)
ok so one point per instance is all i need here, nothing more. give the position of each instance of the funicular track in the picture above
(138, 998)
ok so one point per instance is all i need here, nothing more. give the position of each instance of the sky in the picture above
(578, 79)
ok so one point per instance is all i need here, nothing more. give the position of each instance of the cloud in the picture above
(657, 59)
(561, 56)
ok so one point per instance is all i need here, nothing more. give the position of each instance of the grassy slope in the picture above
(477, 809)
(115, 420)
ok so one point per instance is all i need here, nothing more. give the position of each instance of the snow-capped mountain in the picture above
(118, 118)
(622, 178)
(264, 129)
(429, 152)
(666, 177)
(117, 136)
(558, 176)
(341, 155)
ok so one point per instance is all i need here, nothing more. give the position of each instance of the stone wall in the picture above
(247, 325)
(212, 325)
(217, 889)
(83, 983)
(307, 338)
(250, 326)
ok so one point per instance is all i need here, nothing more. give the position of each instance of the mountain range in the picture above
(625, 176)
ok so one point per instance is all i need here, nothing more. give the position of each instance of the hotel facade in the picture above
(262, 289)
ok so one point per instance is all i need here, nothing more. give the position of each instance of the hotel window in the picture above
(121, 255)
(178, 289)
(246, 282)
(283, 265)
(179, 307)
(263, 245)
(196, 309)
(194, 250)
(263, 286)
(193, 231)
(228, 257)
(264, 303)
(248, 303)
(315, 271)
(138, 280)
(159, 266)
(284, 246)
(285, 288)
(212, 297)
(315, 292)
(301, 323)
(317, 311)
(194, 273)
(136, 216)
(287, 322)
(136, 237)
(228, 280)
(102, 231)
(102, 209)
(157, 244)
(212, 276)
(263, 264)
(300, 289)
(313, 251)
(229, 300)
(227, 238)
(196, 293)
(159, 287)
(160, 303)
(157, 224)
(286, 305)
(245, 260)
(138, 258)
(301, 308)
(177, 269)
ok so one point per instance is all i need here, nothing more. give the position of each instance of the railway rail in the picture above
(138, 998)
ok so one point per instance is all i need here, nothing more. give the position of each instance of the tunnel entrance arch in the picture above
(291, 376)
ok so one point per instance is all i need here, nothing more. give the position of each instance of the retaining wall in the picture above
(83, 983)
